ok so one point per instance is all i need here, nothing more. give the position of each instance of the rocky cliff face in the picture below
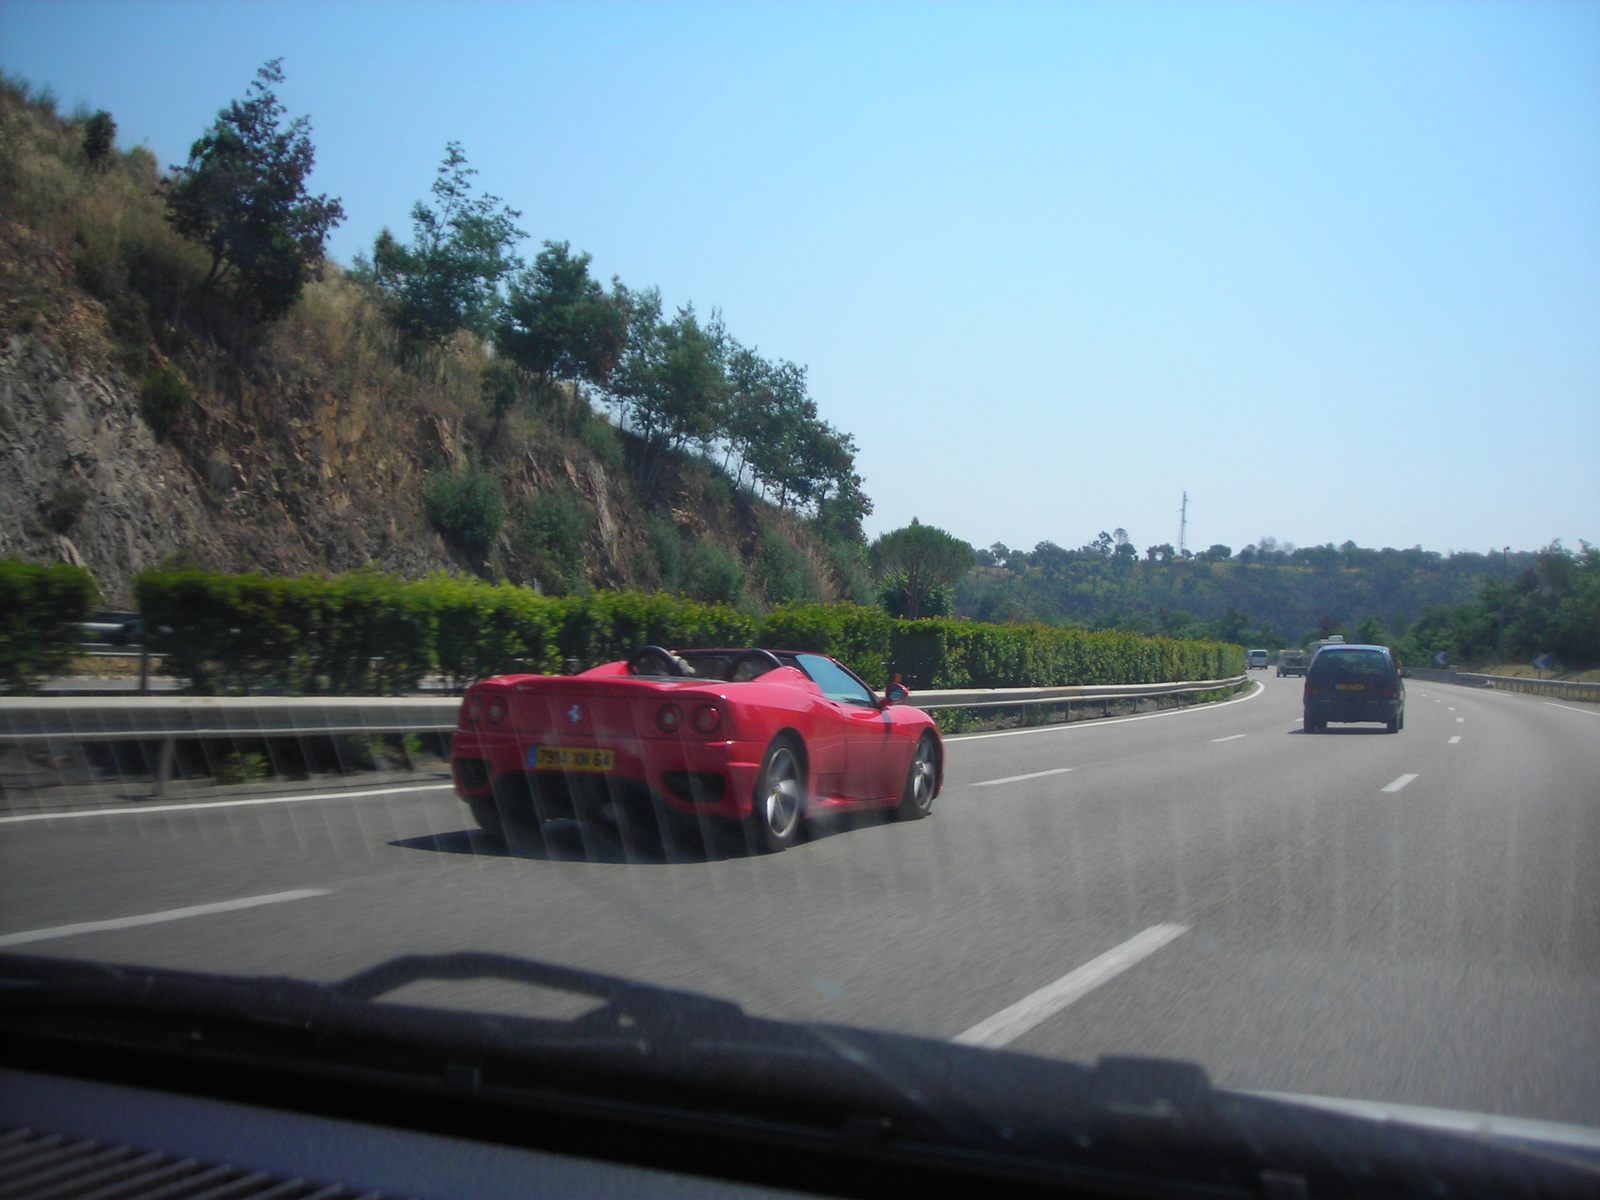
(82, 478)
(274, 470)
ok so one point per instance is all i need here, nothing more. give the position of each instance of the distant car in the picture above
(665, 739)
(1291, 662)
(1354, 683)
(1255, 659)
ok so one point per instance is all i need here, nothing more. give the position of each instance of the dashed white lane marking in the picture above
(1232, 737)
(1398, 783)
(135, 809)
(1568, 708)
(156, 918)
(1460, 720)
(1452, 708)
(1020, 778)
(1103, 722)
(1453, 740)
(1011, 1023)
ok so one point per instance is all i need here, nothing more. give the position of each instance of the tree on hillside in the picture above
(771, 423)
(561, 324)
(242, 196)
(1231, 625)
(924, 557)
(673, 381)
(462, 249)
(99, 138)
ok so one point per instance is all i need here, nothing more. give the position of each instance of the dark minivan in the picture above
(1354, 683)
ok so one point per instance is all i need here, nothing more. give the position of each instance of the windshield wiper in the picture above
(655, 1056)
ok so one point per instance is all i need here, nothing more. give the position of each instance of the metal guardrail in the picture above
(1018, 697)
(1566, 689)
(161, 722)
(118, 635)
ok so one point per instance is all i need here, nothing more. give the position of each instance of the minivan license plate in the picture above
(1349, 687)
(564, 758)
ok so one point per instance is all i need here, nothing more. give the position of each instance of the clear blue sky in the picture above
(1052, 265)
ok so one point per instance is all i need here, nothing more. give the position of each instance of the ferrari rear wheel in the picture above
(487, 816)
(916, 800)
(779, 802)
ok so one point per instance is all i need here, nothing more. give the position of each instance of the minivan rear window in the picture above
(1351, 662)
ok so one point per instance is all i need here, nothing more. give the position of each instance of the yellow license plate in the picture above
(563, 758)
(1349, 687)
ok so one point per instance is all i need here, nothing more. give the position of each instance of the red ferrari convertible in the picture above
(671, 739)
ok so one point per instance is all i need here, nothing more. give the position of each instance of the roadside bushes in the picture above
(371, 634)
(552, 531)
(163, 397)
(40, 611)
(465, 507)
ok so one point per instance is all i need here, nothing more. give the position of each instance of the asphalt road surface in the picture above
(1412, 919)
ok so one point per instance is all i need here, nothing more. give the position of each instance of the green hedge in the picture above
(40, 611)
(946, 653)
(369, 634)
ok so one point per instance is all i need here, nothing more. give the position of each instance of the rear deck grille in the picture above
(48, 1166)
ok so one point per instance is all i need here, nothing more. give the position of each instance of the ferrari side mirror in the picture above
(895, 693)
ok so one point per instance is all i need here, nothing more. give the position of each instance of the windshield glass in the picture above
(834, 682)
(1351, 662)
(437, 449)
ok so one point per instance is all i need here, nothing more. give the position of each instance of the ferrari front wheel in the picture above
(779, 801)
(922, 780)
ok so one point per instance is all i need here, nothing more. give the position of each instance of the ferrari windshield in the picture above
(827, 509)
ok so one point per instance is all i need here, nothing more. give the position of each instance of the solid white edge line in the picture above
(1396, 785)
(1012, 1022)
(1020, 778)
(1232, 737)
(134, 808)
(1453, 740)
(1215, 706)
(156, 918)
(1568, 708)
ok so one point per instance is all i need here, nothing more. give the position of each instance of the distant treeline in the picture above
(1271, 596)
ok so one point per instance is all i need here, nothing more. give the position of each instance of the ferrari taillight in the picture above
(495, 710)
(669, 719)
(474, 709)
(707, 718)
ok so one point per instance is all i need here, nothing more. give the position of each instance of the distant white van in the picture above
(1254, 659)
